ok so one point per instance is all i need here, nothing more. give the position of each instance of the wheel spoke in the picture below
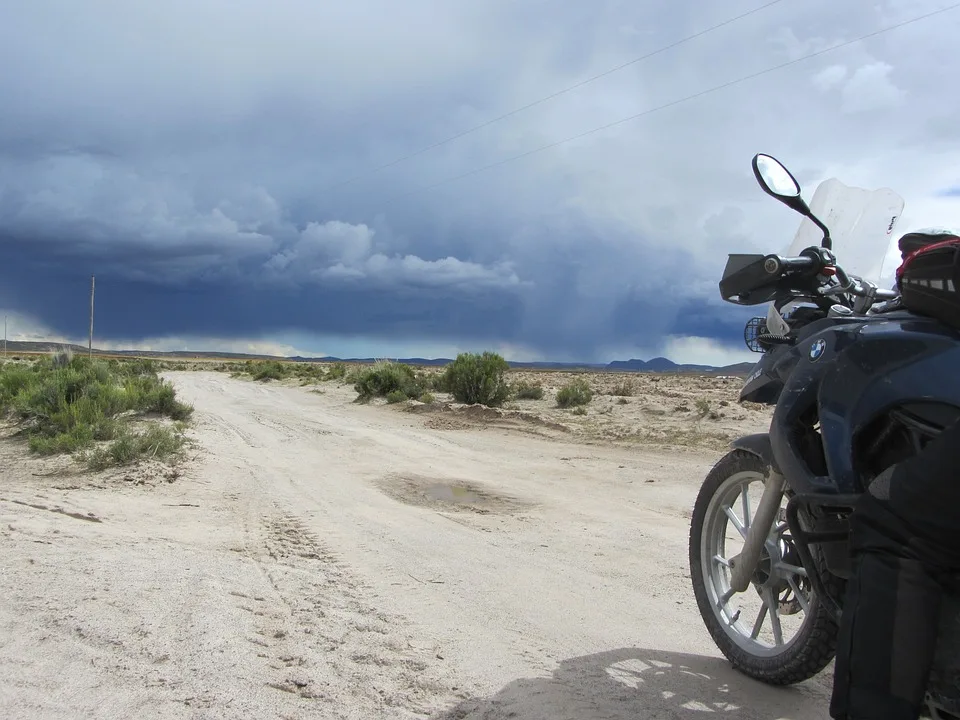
(801, 598)
(736, 521)
(792, 569)
(770, 601)
(754, 620)
(725, 598)
(761, 616)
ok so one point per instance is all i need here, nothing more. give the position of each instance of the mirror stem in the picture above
(827, 240)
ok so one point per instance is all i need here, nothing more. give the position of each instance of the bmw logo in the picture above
(817, 349)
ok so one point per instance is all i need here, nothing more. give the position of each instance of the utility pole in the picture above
(93, 281)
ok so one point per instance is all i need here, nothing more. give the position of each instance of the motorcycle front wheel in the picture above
(776, 631)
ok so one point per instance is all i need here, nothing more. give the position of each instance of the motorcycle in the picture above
(858, 383)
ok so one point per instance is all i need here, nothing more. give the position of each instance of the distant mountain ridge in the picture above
(656, 365)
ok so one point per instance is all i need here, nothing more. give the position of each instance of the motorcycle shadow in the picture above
(632, 684)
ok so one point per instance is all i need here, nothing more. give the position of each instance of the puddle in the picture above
(452, 494)
(447, 494)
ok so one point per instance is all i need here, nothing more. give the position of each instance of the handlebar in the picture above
(817, 258)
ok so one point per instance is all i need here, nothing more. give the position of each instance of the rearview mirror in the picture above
(778, 182)
(775, 178)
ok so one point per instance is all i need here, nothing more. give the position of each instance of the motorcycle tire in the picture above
(814, 646)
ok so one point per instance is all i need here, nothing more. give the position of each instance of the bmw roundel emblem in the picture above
(817, 349)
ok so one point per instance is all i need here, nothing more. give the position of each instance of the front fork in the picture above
(758, 531)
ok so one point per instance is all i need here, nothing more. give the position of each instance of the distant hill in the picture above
(656, 365)
(663, 365)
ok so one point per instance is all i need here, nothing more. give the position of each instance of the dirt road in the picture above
(321, 559)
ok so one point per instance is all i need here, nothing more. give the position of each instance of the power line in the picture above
(544, 99)
(673, 103)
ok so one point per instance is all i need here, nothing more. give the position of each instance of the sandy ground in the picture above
(317, 558)
(667, 410)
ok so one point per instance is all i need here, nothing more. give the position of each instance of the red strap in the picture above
(951, 240)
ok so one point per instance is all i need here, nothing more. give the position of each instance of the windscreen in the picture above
(861, 223)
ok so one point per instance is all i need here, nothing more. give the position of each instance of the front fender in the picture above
(759, 445)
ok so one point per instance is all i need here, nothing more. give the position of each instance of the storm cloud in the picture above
(226, 169)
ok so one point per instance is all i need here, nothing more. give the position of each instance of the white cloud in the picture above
(339, 251)
(870, 89)
(205, 344)
(830, 77)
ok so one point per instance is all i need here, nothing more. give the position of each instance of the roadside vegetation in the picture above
(308, 373)
(104, 412)
(472, 378)
(618, 405)
(478, 379)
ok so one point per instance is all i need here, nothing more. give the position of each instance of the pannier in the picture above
(929, 277)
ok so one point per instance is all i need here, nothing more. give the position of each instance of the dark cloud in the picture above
(210, 163)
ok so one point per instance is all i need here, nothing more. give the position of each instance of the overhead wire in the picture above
(546, 98)
(673, 103)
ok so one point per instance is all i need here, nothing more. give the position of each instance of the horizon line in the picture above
(76, 347)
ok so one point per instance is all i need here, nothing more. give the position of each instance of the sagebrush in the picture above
(477, 379)
(394, 381)
(66, 404)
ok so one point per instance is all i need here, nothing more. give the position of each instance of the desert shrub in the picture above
(703, 407)
(396, 396)
(574, 394)
(579, 410)
(439, 381)
(65, 405)
(386, 377)
(61, 358)
(155, 441)
(427, 398)
(624, 388)
(307, 372)
(477, 378)
(524, 390)
(270, 370)
(337, 371)
(140, 367)
(431, 380)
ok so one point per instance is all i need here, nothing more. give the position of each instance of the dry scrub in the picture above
(105, 413)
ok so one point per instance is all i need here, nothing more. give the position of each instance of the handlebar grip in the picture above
(775, 264)
(796, 263)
